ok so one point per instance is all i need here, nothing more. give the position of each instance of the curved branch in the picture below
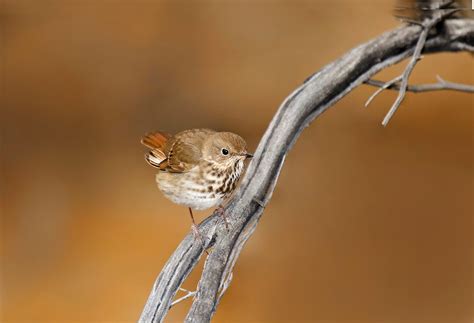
(309, 100)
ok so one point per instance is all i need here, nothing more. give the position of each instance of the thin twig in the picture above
(408, 20)
(441, 85)
(188, 295)
(406, 74)
(427, 25)
(387, 85)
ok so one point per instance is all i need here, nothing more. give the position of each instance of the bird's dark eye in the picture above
(225, 152)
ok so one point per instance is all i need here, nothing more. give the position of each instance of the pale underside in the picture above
(204, 186)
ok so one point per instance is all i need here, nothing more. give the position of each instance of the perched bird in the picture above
(197, 168)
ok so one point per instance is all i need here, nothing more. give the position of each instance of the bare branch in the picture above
(388, 85)
(427, 25)
(406, 74)
(441, 85)
(319, 92)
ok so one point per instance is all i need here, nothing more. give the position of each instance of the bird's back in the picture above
(178, 153)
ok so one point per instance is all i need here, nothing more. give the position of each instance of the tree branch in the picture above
(319, 92)
(426, 27)
(441, 85)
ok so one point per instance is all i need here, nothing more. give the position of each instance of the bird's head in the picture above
(225, 149)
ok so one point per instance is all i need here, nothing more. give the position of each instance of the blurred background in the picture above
(366, 224)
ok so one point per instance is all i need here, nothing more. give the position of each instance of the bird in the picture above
(196, 168)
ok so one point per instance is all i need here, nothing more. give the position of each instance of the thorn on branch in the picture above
(260, 203)
(440, 80)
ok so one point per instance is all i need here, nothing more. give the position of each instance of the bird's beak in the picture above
(247, 155)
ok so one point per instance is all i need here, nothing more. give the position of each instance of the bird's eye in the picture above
(224, 151)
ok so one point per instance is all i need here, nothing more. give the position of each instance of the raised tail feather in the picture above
(156, 141)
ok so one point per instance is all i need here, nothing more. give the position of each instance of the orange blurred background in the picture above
(367, 224)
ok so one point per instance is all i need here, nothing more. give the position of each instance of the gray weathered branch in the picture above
(441, 85)
(426, 26)
(319, 92)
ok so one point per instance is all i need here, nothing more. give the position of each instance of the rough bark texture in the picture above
(319, 92)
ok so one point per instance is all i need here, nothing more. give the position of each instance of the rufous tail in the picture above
(156, 141)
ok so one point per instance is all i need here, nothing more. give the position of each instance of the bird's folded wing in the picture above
(182, 157)
(170, 153)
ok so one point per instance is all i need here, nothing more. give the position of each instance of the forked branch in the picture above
(319, 92)
(426, 26)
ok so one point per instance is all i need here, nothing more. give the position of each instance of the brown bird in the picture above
(197, 168)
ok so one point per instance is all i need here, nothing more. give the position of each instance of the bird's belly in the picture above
(184, 189)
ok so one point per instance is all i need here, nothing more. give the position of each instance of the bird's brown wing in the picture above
(176, 154)
(181, 156)
(184, 150)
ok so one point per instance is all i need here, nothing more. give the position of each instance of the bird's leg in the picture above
(197, 234)
(221, 211)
